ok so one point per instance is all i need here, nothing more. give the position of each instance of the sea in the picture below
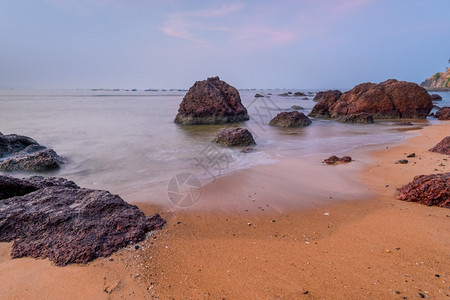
(125, 141)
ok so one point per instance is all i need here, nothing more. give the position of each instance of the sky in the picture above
(250, 44)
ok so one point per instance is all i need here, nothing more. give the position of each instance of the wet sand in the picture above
(365, 245)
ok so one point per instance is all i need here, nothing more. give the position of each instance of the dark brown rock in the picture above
(290, 119)
(334, 159)
(334, 94)
(285, 94)
(258, 95)
(299, 94)
(436, 97)
(442, 147)
(211, 101)
(54, 218)
(234, 137)
(297, 107)
(443, 113)
(22, 153)
(390, 99)
(429, 190)
(361, 118)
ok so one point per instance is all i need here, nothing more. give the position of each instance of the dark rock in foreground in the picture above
(54, 218)
(361, 118)
(436, 97)
(290, 119)
(443, 113)
(390, 99)
(334, 159)
(21, 153)
(235, 137)
(211, 101)
(442, 147)
(430, 190)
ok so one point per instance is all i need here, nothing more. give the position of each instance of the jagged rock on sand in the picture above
(334, 159)
(54, 218)
(390, 99)
(211, 101)
(290, 119)
(22, 153)
(429, 190)
(442, 147)
(235, 137)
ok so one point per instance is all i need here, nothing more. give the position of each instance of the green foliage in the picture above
(437, 75)
(447, 82)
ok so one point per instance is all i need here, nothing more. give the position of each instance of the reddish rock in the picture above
(334, 94)
(235, 137)
(390, 99)
(334, 159)
(54, 218)
(430, 190)
(290, 119)
(442, 147)
(436, 97)
(443, 113)
(211, 101)
(361, 118)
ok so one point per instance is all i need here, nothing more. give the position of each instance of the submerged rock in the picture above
(235, 137)
(334, 159)
(54, 218)
(22, 153)
(299, 94)
(361, 118)
(258, 95)
(211, 101)
(296, 107)
(429, 190)
(390, 99)
(406, 123)
(442, 147)
(436, 97)
(290, 119)
(443, 113)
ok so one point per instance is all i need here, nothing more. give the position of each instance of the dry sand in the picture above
(294, 241)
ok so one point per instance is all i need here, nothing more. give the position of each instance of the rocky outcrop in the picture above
(211, 101)
(361, 118)
(290, 119)
(429, 190)
(390, 99)
(443, 113)
(235, 137)
(438, 82)
(22, 153)
(334, 159)
(54, 218)
(436, 97)
(442, 147)
(334, 94)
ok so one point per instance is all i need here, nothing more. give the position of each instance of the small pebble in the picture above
(397, 292)
(421, 295)
(387, 250)
(437, 275)
(136, 247)
(412, 155)
(402, 161)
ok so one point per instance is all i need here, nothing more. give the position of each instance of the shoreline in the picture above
(325, 250)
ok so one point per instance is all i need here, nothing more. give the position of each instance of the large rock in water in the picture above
(430, 190)
(211, 101)
(21, 153)
(390, 99)
(442, 147)
(235, 137)
(54, 218)
(290, 119)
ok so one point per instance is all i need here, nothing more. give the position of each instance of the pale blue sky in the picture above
(250, 44)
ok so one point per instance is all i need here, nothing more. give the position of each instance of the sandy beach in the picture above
(364, 244)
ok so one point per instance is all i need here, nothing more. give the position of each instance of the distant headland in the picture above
(438, 82)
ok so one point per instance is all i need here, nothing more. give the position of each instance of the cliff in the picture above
(438, 82)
